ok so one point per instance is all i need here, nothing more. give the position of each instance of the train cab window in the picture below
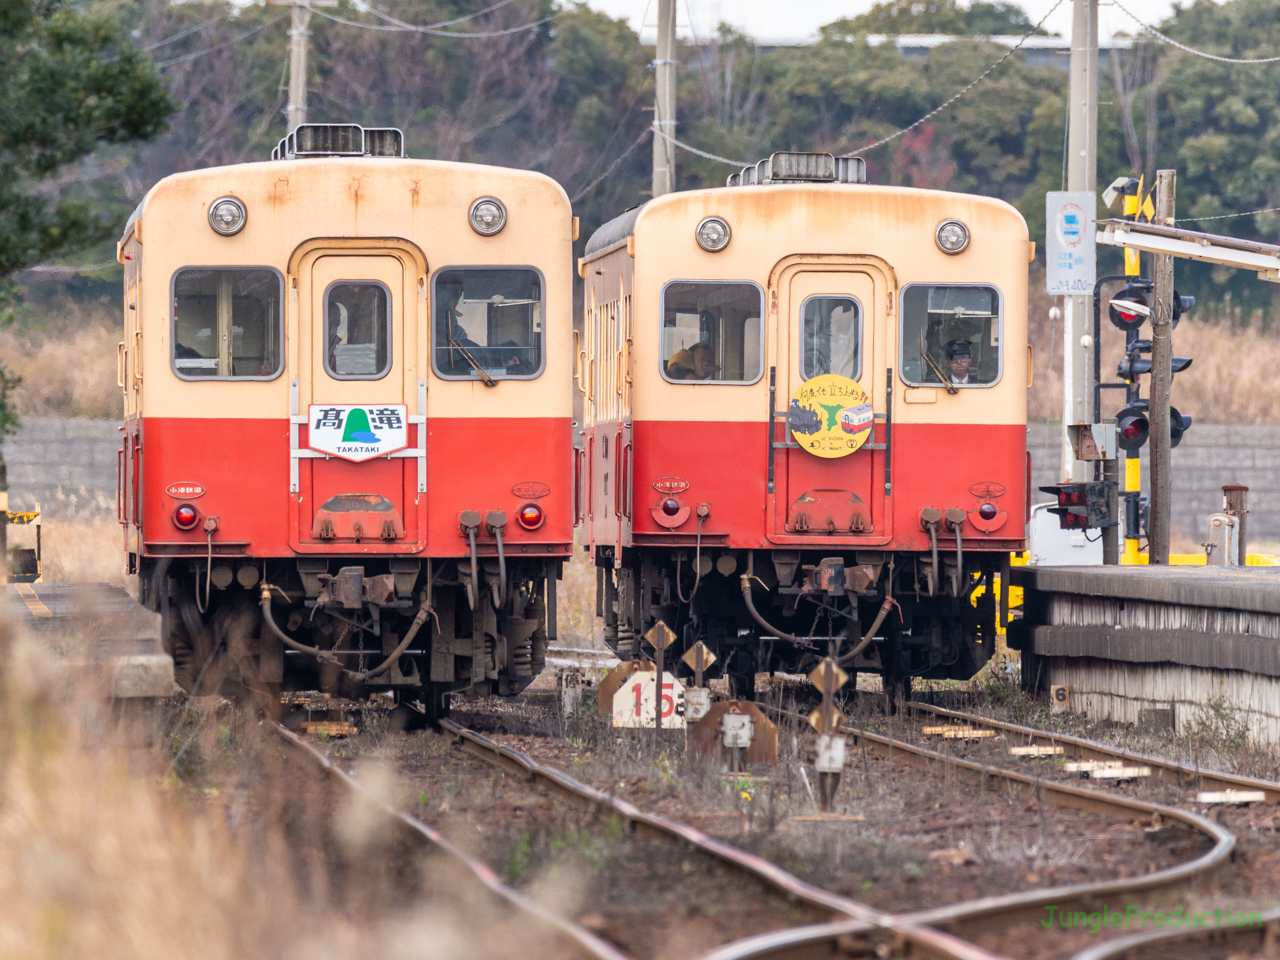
(951, 332)
(831, 337)
(357, 330)
(488, 319)
(711, 331)
(227, 324)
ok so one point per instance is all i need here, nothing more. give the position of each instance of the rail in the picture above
(1081, 749)
(1002, 911)
(856, 919)
(571, 940)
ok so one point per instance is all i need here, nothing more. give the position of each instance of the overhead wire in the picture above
(433, 26)
(937, 110)
(893, 136)
(1183, 47)
(1227, 216)
(226, 43)
(184, 33)
(644, 134)
(431, 31)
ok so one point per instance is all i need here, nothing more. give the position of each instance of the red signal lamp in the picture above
(530, 516)
(987, 511)
(671, 506)
(185, 517)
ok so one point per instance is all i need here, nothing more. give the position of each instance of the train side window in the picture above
(952, 332)
(227, 323)
(831, 337)
(711, 331)
(357, 330)
(488, 319)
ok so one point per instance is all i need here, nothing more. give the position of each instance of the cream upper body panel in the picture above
(416, 210)
(886, 232)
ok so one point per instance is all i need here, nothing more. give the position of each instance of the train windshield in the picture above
(227, 324)
(488, 322)
(711, 331)
(357, 330)
(951, 333)
(831, 335)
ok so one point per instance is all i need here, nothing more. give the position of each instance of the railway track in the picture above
(859, 925)
(467, 877)
(993, 916)
(1179, 776)
(851, 928)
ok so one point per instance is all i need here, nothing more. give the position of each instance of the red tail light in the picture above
(185, 517)
(530, 516)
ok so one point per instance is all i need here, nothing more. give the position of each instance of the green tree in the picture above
(937, 16)
(69, 82)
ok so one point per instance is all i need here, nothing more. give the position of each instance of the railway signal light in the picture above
(1133, 426)
(1178, 425)
(1132, 305)
(1134, 365)
(1082, 506)
(1129, 308)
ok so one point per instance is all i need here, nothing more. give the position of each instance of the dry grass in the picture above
(204, 848)
(1231, 380)
(70, 373)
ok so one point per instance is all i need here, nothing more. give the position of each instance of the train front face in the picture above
(885, 329)
(348, 378)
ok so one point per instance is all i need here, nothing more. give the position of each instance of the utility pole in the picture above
(1161, 379)
(299, 41)
(664, 104)
(1082, 175)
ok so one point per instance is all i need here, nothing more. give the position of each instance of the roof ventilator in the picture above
(339, 140)
(801, 168)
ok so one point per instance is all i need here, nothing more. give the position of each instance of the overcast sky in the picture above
(800, 19)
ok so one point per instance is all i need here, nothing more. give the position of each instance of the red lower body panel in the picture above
(243, 466)
(726, 466)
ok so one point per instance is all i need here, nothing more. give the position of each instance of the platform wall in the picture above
(1108, 690)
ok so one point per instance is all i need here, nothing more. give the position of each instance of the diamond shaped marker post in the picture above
(660, 636)
(828, 677)
(698, 658)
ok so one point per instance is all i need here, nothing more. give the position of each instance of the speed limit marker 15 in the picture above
(633, 703)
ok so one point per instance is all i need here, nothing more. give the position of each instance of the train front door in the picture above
(357, 425)
(832, 350)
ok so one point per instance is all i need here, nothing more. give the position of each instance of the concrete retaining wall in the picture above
(69, 466)
(1208, 457)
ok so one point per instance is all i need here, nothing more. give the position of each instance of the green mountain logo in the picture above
(357, 429)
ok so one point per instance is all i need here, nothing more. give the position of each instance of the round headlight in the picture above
(227, 216)
(488, 216)
(952, 236)
(713, 234)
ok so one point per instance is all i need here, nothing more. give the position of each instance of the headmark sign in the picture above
(830, 416)
(356, 432)
(1070, 252)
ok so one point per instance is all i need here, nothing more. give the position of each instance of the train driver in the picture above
(959, 356)
(697, 362)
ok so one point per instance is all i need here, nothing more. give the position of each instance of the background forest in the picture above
(573, 99)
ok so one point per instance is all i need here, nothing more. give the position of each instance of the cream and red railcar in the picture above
(806, 419)
(347, 455)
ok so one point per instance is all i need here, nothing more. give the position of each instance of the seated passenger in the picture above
(692, 363)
